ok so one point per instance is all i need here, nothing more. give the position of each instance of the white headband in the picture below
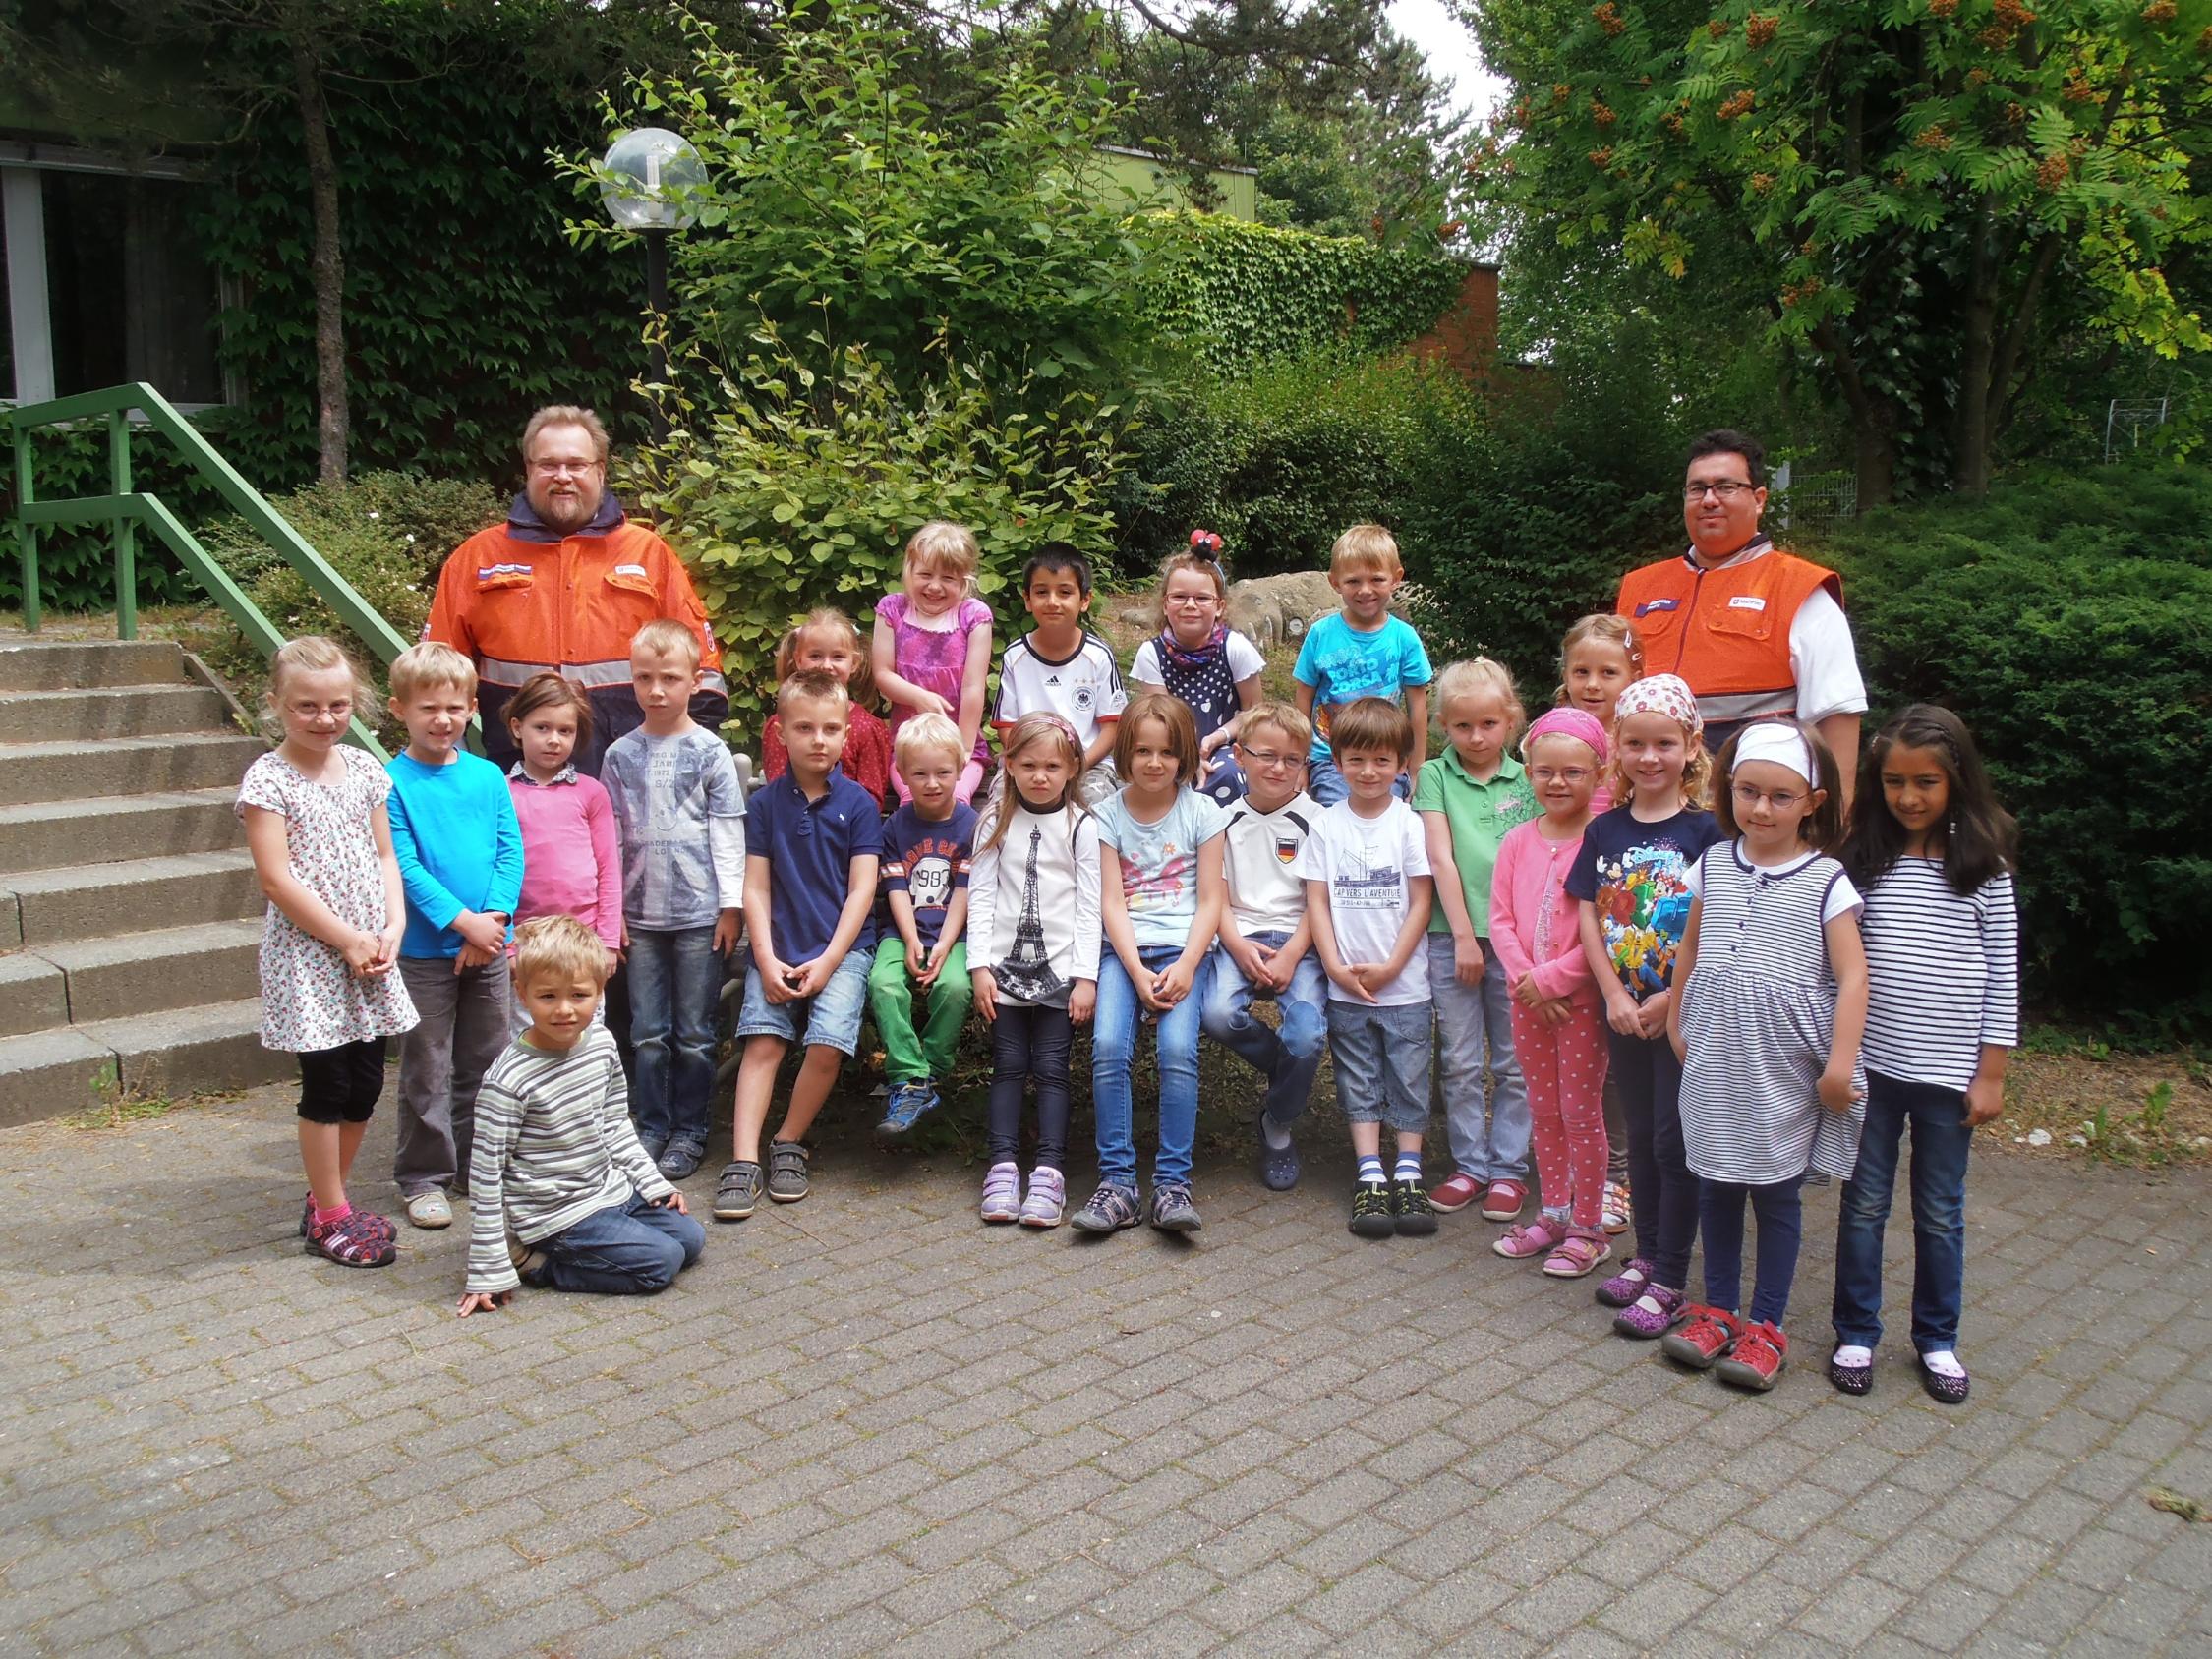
(1771, 740)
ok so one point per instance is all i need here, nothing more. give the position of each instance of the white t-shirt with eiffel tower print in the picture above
(1032, 906)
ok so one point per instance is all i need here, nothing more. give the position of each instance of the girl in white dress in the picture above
(314, 810)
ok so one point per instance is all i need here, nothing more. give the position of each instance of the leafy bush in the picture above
(1237, 293)
(802, 490)
(386, 532)
(2063, 621)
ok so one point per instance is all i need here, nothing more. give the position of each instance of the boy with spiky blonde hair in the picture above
(1361, 652)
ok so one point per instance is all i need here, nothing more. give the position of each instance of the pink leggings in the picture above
(1564, 1067)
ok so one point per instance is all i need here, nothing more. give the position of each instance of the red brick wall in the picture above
(1465, 335)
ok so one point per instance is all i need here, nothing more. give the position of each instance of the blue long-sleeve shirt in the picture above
(459, 846)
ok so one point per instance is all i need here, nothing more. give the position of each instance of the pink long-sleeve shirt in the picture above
(1532, 922)
(571, 853)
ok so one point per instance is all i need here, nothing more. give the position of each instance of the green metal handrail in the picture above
(126, 509)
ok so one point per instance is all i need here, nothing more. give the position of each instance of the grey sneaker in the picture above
(787, 1171)
(653, 1145)
(682, 1159)
(1111, 1208)
(1172, 1209)
(737, 1191)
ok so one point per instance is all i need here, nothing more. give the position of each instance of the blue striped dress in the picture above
(1758, 1019)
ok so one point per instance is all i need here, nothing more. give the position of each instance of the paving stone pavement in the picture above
(867, 1423)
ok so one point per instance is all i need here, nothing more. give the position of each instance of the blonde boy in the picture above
(923, 956)
(815, 842)
(459, 846)
(681, 818)
(1266, 936)
(1360, 651)
(555, 1161)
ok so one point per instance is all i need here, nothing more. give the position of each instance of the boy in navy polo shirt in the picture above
(814, 839)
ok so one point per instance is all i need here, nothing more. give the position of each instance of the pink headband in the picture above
(1661, 694)
(1567, 723)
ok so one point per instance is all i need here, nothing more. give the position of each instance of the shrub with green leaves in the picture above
(802, 489)
(386, 532)
(2063, 622)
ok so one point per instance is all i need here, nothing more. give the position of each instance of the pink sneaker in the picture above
(1532, 1238)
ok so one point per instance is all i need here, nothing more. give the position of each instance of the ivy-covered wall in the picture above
(1236, 295)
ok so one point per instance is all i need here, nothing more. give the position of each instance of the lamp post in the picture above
(643, 180)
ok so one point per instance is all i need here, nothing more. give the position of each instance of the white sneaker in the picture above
(429, 1210)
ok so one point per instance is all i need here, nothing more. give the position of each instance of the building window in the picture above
(106, 284)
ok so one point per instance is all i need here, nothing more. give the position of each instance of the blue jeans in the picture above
(1288, 1058)
(1114, 1045)
(1782, 1228)
(1327, 786)
(1381, 1063)
(632, 1250)
(1474, 1034)
(1941, 1142)
(675, 984)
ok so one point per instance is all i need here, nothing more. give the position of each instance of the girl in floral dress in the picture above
(314, 810)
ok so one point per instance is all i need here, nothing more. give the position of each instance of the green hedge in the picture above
(2065, 622)
(1235, 294)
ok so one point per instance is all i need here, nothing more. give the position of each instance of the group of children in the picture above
(1542, 907)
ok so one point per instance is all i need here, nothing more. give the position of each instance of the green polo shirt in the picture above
(1478, 814)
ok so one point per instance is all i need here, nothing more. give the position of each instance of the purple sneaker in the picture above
(1047, 1200)
(1653, 1314)
(1627, 1285)
(1002, 1194)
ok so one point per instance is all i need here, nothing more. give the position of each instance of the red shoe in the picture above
(1504, 1201)
(1454, 1195)
(1757, 1359)
(1702, 1336)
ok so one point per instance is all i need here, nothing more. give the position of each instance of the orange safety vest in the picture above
(1726, 631)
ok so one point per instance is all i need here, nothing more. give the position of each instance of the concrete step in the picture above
(176, 1052)
(126, 710)
(32, 994)
(29, 664)
(138, 973)
(47, 833)
(87, 900)
(69, 770)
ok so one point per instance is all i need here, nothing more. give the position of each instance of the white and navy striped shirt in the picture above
(553, 1144)
(1943, 974)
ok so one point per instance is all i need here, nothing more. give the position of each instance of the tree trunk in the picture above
(1876, 463)
(328, 265)
(1973, 425)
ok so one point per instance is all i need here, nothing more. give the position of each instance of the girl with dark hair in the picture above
(1933, 853)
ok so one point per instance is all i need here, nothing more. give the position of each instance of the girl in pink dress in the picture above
(933, 646)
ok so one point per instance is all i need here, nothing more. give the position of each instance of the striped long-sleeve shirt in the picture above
(553, 1144)
(1943, 974)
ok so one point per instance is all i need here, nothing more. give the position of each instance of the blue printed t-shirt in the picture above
(1478, 815)
(810, 846)
(1160, 862)
(1637, 876)
(1343, 665)
(458, 844)
(926, 859)
(664, 790)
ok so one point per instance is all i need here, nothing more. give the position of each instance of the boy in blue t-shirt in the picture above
(459, 846)
(921, 954)
(813, 842)
(1360, 651)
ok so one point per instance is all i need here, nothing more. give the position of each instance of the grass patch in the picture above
(2068, 1095)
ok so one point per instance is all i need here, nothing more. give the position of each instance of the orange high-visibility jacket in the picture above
(518, 600)
(1726, 631)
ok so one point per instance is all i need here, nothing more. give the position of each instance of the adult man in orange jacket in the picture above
(1753, 629)
(563, 583)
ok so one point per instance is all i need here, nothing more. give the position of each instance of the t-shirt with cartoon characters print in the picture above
(1636, 876)
(1160, 862)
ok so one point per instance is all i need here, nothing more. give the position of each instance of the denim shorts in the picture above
(831, 1019)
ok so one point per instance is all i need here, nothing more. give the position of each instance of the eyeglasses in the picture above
(1781, 800)
(1727, 489)
(320, 711)
(554, 469)
(1266, 760)
(1569, 776)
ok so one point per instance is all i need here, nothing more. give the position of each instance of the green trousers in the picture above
(910, 1058)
